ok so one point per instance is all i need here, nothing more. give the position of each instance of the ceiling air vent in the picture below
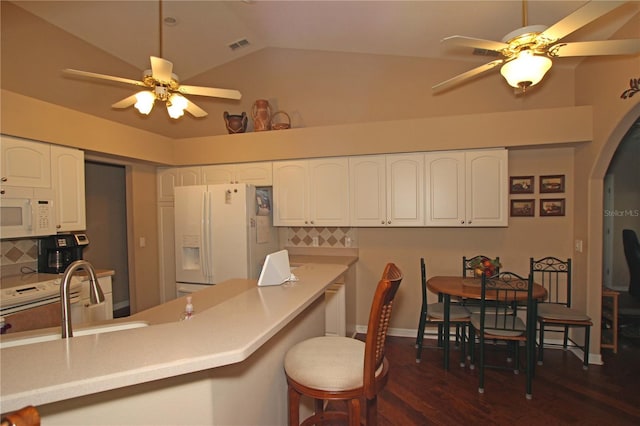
(243, 42)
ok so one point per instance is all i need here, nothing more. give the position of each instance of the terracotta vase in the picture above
(261, 114)
(235, 123)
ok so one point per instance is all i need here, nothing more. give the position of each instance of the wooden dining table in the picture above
(470, 288)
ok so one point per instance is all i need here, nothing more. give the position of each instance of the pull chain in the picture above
(160, 26)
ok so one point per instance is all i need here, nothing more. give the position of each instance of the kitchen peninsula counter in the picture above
(231, 349)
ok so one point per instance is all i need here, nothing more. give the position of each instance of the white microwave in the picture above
(26, 212)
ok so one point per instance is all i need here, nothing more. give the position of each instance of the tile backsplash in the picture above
(17, 256)
(336, 237)
(18, 251)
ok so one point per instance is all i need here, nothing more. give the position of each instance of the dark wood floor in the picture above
(563, 393)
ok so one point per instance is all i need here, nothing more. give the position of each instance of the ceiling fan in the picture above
(526, 52)
(162, 84)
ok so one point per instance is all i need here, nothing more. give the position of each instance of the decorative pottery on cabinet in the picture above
(280, 120)
(235, 123)
(261, 114)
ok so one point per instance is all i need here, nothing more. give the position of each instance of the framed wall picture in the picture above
(552, 207)
(523, 207)
(552, 183)
(521, 185)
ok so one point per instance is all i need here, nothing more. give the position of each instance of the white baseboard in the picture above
(595, 359)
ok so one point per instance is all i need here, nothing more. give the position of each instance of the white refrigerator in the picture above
(222, 231)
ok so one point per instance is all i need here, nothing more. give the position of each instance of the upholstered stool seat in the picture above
(328, 363)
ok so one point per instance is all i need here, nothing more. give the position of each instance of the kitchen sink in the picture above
(28, 338)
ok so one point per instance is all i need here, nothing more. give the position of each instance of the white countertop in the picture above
(232, 320)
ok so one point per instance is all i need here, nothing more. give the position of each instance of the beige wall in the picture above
(600, 82)
(144, 283)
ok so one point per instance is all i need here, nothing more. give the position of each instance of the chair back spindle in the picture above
(555, 276)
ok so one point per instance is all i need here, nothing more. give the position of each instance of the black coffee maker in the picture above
(56, 252)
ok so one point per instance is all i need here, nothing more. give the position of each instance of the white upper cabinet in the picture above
(25, 163)
(367, 184)
(329, 192)
(311, 192)
(258, 174)
(290, 193)
(387, 190)
(466, 188)
(169, 178)
(67, 172)
(405, 193)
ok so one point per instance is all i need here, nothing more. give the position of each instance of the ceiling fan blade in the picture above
(195, 110)
(467, 75)
(581, 17)
(161, 69)
(210, 91)
(596, 48)
(479, 43)
(103, 77)
(125, 103)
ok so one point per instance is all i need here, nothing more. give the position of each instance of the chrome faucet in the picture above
(95, 293)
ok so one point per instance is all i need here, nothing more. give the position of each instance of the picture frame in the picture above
(523, 208)
(552, 207)
(521, 184)
(551, 183)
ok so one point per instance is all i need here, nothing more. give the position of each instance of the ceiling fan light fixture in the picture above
(144, 102)
(176, 104)
(527, 69)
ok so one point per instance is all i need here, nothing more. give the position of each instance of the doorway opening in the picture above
(105, 191)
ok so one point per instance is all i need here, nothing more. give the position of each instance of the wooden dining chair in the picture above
(433, 313)
(556, 310)
(331, 368)
(503, 317)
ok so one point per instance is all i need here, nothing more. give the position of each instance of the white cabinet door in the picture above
(189, 176)
(387, 190)
(223, 173)
(25, 163)
(405, 179)
(367, 190)
(311, 192)
(466, 188)
(487, 188)
(329, 192)
(258, 174)
(445, 188)
(290, 193)
(169, 178)
(67, 171)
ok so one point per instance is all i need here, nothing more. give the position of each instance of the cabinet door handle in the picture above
(4, 178)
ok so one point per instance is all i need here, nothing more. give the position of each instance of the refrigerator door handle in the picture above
(204, 237)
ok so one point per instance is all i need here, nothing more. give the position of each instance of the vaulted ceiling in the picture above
(119, 36)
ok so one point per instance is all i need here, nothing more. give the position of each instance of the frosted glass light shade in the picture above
(176, 105)
(144, 102)
(526, 70)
